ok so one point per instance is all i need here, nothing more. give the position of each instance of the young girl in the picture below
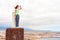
(16, 15)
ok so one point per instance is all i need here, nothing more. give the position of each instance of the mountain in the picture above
(31, 30)
(4, 26)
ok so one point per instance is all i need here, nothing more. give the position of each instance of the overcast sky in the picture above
(35, 14)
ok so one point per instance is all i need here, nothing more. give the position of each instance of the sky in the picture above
(35, 14)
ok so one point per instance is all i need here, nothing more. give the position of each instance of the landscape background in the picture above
(39, 18)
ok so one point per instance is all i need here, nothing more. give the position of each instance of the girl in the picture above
(16, 15)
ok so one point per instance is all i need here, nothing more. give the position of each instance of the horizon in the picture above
(4, 26)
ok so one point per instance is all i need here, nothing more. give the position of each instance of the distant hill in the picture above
(27, 29)
(5, 26)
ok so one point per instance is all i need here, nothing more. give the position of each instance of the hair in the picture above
(16, 6)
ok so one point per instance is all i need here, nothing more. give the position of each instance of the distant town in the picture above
(28, 35)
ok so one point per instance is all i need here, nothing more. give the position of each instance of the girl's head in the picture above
(17, 7)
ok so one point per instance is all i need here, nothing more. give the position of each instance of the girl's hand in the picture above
(20, 8)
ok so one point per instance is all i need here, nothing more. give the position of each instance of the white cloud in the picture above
(35, 14)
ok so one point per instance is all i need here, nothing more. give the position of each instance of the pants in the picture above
(17, 20)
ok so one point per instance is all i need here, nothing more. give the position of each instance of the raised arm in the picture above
(20, 8)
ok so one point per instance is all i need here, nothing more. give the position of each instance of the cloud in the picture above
(35, 14)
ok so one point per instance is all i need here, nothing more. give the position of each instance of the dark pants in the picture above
(17, 20)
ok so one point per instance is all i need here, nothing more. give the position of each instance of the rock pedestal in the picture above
(14, 34)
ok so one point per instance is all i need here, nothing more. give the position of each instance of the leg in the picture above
(17, 20)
